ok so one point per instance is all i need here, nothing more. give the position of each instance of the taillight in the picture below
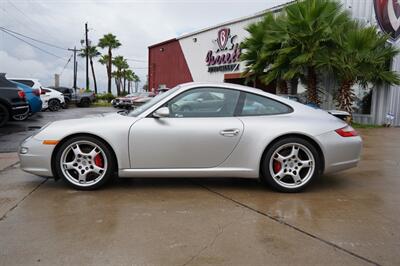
(36, 92)
(21, 94)
(347, 131)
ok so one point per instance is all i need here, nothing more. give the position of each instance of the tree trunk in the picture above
(345, 96)
(94, 76)
(293, 86)
(312, 93)
(129, 86)
(109, 69)
(124, 84)
(117, 84)
(282, 86)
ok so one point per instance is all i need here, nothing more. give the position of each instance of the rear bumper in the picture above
(21, 109)
(37, 159)
(340, 153)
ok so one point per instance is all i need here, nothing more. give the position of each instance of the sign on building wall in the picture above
(388, 17)
(226, 56)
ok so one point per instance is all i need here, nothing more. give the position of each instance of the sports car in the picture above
(249, 134)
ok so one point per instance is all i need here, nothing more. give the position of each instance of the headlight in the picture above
(23, 150)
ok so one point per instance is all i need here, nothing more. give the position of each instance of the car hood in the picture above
(92, 124)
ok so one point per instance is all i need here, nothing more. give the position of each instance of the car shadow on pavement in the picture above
(329, 182)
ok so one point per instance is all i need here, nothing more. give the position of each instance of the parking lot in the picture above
(350, 218)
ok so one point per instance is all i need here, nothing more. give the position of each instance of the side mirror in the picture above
(162, 112)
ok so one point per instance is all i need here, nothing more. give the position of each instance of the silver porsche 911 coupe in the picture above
(197, 130)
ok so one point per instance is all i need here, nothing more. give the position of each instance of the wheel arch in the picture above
(6, 104)
(54, 99)
(297, 135)
(59, 144)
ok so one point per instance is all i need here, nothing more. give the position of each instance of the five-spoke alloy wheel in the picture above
(84, 162)
(291, 164)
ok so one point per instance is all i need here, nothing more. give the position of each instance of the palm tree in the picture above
(311, 27)
(111, 42)
(121, 64)
(261, 50)
(136, 79)
(294, 42)
(364, 59)
(92, 53)
(129, 76)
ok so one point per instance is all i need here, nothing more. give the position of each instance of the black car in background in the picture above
(12, 101)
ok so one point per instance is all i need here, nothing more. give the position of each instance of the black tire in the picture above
(111, 164)
(85, 102)
(54, 105)
(4, 115)
(267, 165)
(21, 117)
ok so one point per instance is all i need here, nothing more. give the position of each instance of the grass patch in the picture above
(101, 104)
(358, 125)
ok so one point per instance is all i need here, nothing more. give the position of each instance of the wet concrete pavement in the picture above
(351, 218)
(12, 134)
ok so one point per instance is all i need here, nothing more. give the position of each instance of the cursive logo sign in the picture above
(226, 56)
(388, 16)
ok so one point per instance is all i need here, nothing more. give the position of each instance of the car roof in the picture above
(289, 102)
(34, 80)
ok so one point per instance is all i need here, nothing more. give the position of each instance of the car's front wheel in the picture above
(84, 162)
(54, 105)
(291, 164)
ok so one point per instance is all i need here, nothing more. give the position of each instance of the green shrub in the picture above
(105, 97)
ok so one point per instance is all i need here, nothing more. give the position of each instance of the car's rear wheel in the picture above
(22, 117)
(291, 164)
(54, 105)
(85, 163)
(4, 115)
(85, 102)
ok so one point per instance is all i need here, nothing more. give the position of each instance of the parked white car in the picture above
(51, 99)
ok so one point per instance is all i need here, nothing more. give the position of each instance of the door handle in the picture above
(229, 132)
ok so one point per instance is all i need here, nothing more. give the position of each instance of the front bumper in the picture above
(340, 153)
(37, 159)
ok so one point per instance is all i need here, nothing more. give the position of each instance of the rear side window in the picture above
(259, 105)
(26, 82)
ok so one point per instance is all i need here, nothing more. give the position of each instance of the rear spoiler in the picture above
(340, 114)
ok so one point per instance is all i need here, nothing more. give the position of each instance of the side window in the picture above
(204, 102)
(259, 105)
(25, 82)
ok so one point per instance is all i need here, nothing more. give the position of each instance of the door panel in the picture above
(183, 142)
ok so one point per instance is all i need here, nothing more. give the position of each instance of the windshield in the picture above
(152, 102)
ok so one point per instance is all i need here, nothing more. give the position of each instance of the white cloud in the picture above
(137, 24)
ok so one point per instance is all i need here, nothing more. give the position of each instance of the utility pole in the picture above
(87, 56)
(75, 65)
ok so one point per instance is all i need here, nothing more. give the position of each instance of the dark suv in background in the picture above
(13, 103)
(83, 99)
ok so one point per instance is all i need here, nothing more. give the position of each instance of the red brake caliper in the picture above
(98, 160)
(277, 166)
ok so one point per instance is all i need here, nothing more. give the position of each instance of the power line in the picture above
(136, 60)
(44, 51)
(28, 18)
(33, 39)
(69, 60)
